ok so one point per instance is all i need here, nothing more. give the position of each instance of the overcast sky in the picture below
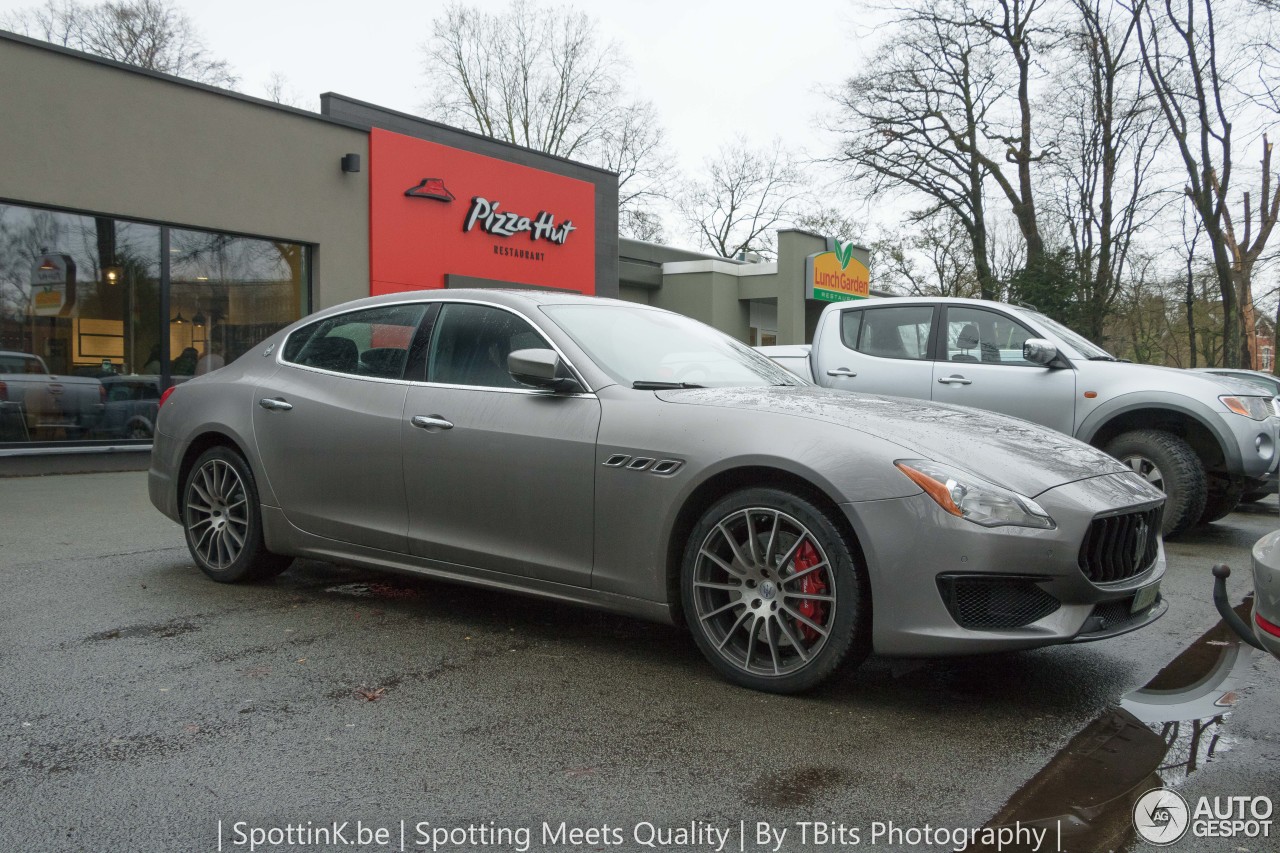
(713, 68)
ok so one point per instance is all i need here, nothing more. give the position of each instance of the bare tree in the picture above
(913, 122)
(1109, 136)
(744, 194)
(542, 78)
(1191, 72)
(151, 34)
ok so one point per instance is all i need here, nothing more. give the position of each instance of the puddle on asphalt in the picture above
(372, 589)
(1157, 736)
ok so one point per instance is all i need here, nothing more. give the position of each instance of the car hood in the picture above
(1017, 454)
(1193, 383)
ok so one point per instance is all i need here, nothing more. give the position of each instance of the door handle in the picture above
(431, 423)
(841, 371)
(954, 380)
(275, 404)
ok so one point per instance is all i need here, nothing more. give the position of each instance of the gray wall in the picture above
(95, 136)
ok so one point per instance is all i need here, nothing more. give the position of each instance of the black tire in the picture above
(1169, 463)
(222, 520)
(1224, 495)
(757, 604)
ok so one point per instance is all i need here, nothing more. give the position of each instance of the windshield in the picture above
(649, 346)
(1082, 345)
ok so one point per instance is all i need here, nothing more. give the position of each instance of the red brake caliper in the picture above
(811, 584)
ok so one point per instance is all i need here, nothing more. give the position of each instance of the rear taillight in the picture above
(1267, 625)
(4, 393)
(165, 395)
(102, 394)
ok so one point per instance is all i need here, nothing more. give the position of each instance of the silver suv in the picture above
(1201, 438)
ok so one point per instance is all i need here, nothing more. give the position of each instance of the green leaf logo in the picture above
(844, 253)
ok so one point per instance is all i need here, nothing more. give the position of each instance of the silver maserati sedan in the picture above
(627, 458)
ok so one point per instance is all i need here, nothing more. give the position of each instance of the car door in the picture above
(880, 350)
(980, 364)
(328, 426)
(499, 476)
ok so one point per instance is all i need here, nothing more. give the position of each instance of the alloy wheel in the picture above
(764, 592)
(1146, 469)
(217, 513)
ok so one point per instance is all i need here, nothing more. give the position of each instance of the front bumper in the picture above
(1258, 443)
(915, 551)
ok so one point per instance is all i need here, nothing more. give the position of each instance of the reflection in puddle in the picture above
(1159, 735)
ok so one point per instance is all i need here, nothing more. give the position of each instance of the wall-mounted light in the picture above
(351, 163)
(178, 320)
(112, 274)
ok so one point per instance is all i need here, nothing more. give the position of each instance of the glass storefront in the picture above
(99, 315)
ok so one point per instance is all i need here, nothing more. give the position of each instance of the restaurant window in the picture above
(84, 309)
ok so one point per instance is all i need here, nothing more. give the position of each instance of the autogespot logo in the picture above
(1161, 816)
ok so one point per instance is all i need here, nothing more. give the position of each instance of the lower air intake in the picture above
(995, 603)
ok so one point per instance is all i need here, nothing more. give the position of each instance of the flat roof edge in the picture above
(71, 53)
(326, 97)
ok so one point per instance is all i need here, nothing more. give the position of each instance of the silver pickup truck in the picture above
(35, 405)
(1203, 439)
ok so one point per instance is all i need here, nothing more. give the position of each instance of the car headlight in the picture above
(1258, 408)
(974, 499)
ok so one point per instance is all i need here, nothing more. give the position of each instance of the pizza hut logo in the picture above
(432, 188)
(502, 223)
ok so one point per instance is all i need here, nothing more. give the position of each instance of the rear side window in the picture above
(895, 332)
(372, 342)
(850, 324)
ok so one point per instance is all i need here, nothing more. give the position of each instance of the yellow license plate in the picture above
(1145, 597)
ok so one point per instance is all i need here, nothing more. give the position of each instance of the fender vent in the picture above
(663, 468)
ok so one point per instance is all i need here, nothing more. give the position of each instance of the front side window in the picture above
(372, 342)
(976, 335)
(896, 332)
(471, 343)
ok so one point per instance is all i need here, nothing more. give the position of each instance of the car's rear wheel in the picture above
(222, 520)
(772, 592)
(1167, 462)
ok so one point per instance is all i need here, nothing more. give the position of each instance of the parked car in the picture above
(131, 405)
(1202, 440)
(543, 443)
(1263, 630)
(36, 405)
(1257, 488)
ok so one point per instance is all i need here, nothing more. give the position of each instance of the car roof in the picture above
(948, 300)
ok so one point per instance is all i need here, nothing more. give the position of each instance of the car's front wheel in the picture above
(773, 593)
(1167, 462)
(222, 520)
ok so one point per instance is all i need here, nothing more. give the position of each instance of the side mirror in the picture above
(1039, 351)
(540, 368)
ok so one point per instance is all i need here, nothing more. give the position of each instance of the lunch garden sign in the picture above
(836, 275)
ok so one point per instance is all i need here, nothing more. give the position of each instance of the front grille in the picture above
(995, 603)
(1118, 547)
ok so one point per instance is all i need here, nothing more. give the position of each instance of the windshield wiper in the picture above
(647, 385)
(1102, 358)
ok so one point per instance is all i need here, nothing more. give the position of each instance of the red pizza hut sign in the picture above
(521, 225)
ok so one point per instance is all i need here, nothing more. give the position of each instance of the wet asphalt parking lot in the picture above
(141, 705)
